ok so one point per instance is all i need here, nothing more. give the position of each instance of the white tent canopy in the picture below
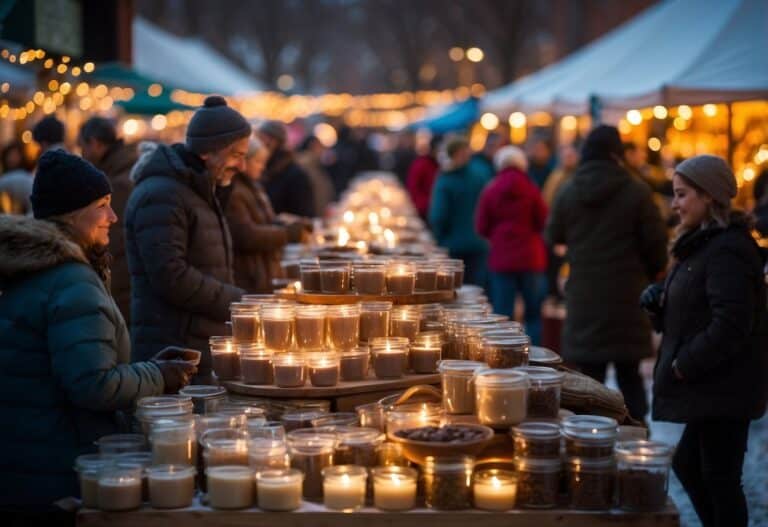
(678, 51)
(188, 63)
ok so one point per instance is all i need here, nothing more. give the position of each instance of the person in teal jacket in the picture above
(64, 351)
(452, 210)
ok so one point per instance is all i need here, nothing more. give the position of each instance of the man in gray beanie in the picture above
(177, 240)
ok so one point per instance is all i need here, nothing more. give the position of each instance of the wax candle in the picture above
(343, 326)
(256, 365)
(310, 327)
(495, 490)
(324, 369)
(225, 358)
(278, 327)
(230, 487)
(174, 443)
(404, 323)
(374, 320)
(444, 279)
(310, 276)
(394, 488)
(311, 452)
(279, 490)
(401, 279)
(88, 467)
(334, 278)
(426, 277)
(266, 453)
(389, 363)
(225, 446)
(370, 278)
(424, 359)
(354, 364)
(246, 326)
(119, 488)
(297, 420)
(171, 486)
(290, 370)
(344, 487)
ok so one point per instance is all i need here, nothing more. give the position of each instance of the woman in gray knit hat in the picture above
(712, 365)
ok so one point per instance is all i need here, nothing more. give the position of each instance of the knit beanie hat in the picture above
(712, 174)
(215, 126)
(65, 183)
(49, 130)
(274, 129)
(602, 144)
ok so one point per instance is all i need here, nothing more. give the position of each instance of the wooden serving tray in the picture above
(315, 515)
(432, 297)
(308, 391)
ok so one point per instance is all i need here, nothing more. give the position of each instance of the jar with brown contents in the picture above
(448, 482)
(506, 352)
(643, 475)
(544, 392)
(538, 440)
(589, 436)
(537, 482)
(591, 483)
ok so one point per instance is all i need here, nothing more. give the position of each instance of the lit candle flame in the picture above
(495, 483)
(349, 216)
(373, 218)
(343, 237)
(390, 238)
(395, 480)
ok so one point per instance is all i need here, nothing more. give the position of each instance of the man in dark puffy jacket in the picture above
(179, 247)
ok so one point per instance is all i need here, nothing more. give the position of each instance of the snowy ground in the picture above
(755, 479)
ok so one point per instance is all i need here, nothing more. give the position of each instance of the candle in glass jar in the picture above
(424, 359)
(344, 487)
(335, 279)
(354, 365)
(426, 278)
(389, 363)
(290, 370)
(404, 323)
(401, 280)
(278, 327)
(324, 371)
(230, 487)
(370, 279)
(171, 486)
(310, 328)
(245, 322)
(495, 490)
(225, 359)
(343, 326)
(394, 488)
(444, 280)
(374, 320)
(256, 365)
(119, 489)
(279, 490)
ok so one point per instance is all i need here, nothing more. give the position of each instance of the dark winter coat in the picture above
(179, 255)
(421, 178)
(288, 186)
(616, 245)
(715, 327)
(117, 164)
(511, 215)
(256, 240)
(64, 369)
(452, 210)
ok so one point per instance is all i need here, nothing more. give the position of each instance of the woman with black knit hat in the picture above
(64, 352)
(712, 369)
(616, 245)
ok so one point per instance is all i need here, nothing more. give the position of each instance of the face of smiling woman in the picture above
(690, 203)
(92, 222)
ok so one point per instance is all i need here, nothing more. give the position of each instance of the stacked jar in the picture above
(343, 326)
(401, 278)
(311, 452)
(643, 475)
(390, 357)
(544, 392)
(506, 352)
(225, 358)
(246, 325)
(589, 448)
(335, 276)
(374, 320)
(457, 378)
(370, 278)
(309, 271)
(151, 409)
(205, 399)
(278, 326)
(256, 364)
(310, 328)
(404, 322)
(501, 397)
(448, 482)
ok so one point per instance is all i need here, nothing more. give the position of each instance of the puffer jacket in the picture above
(64, 371)
(179, 255)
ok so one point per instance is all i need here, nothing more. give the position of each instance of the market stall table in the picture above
(315, 515)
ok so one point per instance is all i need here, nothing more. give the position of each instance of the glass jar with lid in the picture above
(591, 483)
(589, 436)
(501, 397)
(643, 475)
(205, 398)
(544, 392)
(457, 379)
(357, 446)
(537, 439)
(150, 409)
(538, 481)
(448, 482)
(246, 326)
(311, 451)
(506, 352)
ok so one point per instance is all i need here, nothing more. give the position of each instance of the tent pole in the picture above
(729, 114)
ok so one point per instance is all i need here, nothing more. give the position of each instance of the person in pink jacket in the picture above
(421, 177)
(511, 215)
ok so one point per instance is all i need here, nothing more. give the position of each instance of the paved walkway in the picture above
(755, 478)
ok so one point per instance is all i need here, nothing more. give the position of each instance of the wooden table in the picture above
(344, 396)
(315, 515)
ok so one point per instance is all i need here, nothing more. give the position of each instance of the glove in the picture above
(176, 373)
(650, 298)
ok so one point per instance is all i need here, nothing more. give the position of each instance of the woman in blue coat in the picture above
(64, 351)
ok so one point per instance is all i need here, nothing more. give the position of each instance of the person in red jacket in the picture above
(511, 215)
(421, 177)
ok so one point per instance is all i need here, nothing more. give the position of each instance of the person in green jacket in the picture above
(64, 373)
(452, 209)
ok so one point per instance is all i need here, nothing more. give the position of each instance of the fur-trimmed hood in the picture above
(28, 245)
